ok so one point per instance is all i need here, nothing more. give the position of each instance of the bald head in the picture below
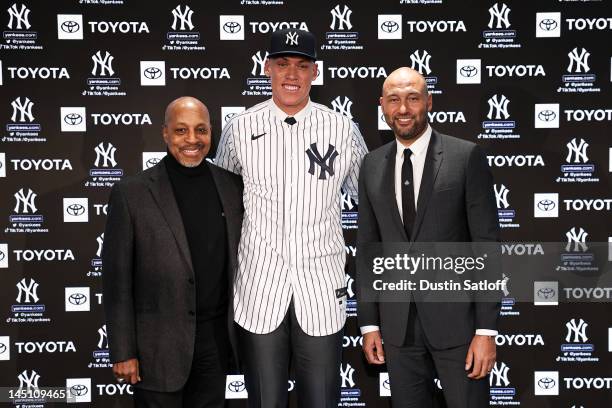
(184, 102)
(404, 77)
(405, 102)
(187, 130)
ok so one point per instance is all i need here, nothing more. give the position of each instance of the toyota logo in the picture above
(389, 26)
(232, 27)
(548, 24)
(546, 293)
(546, 205)
(386, 385)
(2, 256)
(77, 299)
(547, 115)
(468, 71)
(152, 73)
(78, 390)
(546, 383)
(70, 27)
(2, 348)
(152, 162)
(236, 386)
(75, 210)
(73, 119)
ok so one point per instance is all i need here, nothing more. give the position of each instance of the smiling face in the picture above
(187, 131)
(405, 103)
(291, 78)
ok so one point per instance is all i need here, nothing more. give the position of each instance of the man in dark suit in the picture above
(169, 256)
(426, 187)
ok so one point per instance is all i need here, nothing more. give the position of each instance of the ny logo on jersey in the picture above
(326, 163)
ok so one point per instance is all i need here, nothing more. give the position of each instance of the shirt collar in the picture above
(419, 146)
(299, 116)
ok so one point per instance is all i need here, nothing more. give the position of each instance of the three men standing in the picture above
(290, 295)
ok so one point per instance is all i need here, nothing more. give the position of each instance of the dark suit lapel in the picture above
(433, 160)
(164, 197)
(388, 187)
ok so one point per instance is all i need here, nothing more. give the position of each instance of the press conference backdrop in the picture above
(84, 84)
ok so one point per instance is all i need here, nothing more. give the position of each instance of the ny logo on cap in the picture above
(292, 38)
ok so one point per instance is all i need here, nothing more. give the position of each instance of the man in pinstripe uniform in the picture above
(289, 294)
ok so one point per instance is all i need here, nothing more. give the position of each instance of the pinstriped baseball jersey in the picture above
(292, 245)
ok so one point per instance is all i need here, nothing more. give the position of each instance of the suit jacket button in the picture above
(191, 281)
(191, 313)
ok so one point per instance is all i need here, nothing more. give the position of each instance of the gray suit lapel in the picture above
(388, 187)
(433, 160)
(162, 192)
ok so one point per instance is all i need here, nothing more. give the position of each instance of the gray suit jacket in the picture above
(147, 273)
(456, 203)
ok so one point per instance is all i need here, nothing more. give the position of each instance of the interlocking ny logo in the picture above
(499, 14)
(578, 151)
(501, 195)
(102, 338)
(343, 106)
(578, 330)
(28, 381)
(259, 62)
(184, 16)
(100, 241)
(292, 38)
(23, 110)
(499, 375)
(342, 17)
(104, 64)
(349, 281)
(576, 238)
(20, 16)
(346, 201)
(25, 202)
(347, 376)
(420, 62)
(106, 154)
(581, 60)
(505, 280)
(29, 291)
(498, 105)
(326, 163)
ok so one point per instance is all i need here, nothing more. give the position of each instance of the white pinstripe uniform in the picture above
(291, 245)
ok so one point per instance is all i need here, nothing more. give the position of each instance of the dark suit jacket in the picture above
(147, 271)
(456, 203)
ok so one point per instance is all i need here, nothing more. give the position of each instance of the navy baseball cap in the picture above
(293, 42)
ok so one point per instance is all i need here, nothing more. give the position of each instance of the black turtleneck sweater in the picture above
(202, 213)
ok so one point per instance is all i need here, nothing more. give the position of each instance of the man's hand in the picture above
(480, 356)
(372, 347)
(127, 371)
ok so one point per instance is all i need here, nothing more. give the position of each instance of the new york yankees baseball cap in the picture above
(293, 42)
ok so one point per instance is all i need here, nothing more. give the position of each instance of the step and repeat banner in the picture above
(83, 87)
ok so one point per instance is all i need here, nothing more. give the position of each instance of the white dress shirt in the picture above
(419, 152)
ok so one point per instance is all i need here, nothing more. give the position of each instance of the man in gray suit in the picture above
(426, 187)
(169, 256)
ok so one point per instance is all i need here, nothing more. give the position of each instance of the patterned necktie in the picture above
(408, 210)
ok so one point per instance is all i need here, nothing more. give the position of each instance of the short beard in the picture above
(411, 135)
(191, 165)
